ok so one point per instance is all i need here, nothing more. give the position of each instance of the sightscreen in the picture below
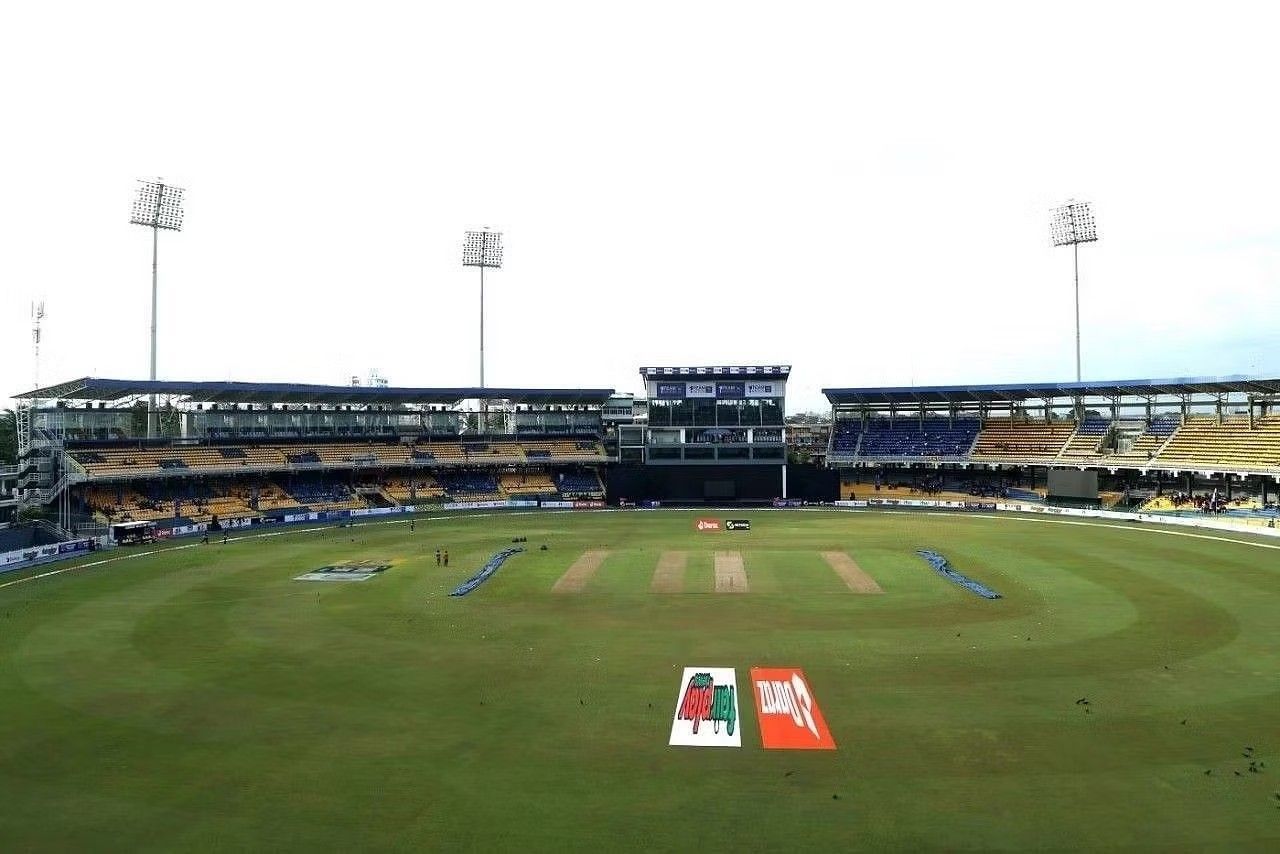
(714, 490)
(1073, 484)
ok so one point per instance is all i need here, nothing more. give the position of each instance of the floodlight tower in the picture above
(158, 206)
(482, 249)
(37, 320)
(1070, 225)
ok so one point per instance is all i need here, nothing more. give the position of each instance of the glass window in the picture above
(664, 437)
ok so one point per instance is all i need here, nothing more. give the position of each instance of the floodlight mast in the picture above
(482, 249)
(1072, 224)
(158, 206)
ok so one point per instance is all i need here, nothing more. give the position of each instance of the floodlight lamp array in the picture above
(482, 249)
(1072, 223)
(158, 205)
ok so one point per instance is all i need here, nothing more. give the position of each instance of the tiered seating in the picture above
(363, 453)
(936, 437)
(224, 507)
(126, 505)
(844, 441)
(406, 490)
(580, 484)
(493, 452)
(471, 486)
(1203, 442)
(564, 450)
(444, 452)
(272, 497)
(135, 461)
(1009, 439)
(1085, 443)
(531, 483)
(325, 496)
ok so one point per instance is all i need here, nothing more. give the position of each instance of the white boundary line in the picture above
(1152, 528)
(1157, 529)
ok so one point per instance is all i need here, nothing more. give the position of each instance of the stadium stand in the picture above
(1152, 437)
(527, 484)
(1015, 439)
(1087, 440)
(580, 485)
(845, 438)
(471, 485)
(570, 451)
(322, 495)
(930, 437)
(137, 461)
(407, 490)
(1231, 443)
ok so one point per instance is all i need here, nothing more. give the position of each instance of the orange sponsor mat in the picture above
(787, 711)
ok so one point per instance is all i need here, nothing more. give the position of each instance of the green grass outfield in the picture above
(200, 698)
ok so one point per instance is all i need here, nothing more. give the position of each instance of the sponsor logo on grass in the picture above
(347, 571)
(707, 709)
(737, 525)
(787, 711)
(708, 525)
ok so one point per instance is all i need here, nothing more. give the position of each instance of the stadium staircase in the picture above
(1148, 443)
(1087, 441)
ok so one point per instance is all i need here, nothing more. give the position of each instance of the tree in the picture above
(8, 437)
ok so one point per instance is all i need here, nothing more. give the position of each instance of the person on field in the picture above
(446, 557)
(437, 557)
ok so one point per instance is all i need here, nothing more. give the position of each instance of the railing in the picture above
(44, 496)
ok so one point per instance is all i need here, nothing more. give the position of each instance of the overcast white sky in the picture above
(859, 190)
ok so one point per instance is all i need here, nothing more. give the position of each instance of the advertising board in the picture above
(670, 391)
(706, 713)
(758, 388)
(703, 389)
(731, 391)
(787, 710)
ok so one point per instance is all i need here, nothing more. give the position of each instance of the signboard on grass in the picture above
(787, 711)
(706, 712)
(347, 571)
